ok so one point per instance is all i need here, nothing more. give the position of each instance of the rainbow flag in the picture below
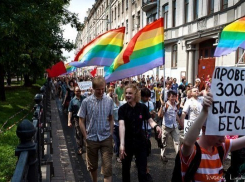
(145, 51)
(232, 37)
(69, 68)
(102, 50)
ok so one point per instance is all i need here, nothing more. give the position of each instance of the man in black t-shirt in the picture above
(132, 137)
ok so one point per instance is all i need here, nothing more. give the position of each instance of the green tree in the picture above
(31, 37)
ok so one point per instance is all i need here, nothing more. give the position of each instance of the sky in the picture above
(79, 7)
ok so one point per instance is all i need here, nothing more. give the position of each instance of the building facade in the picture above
(192, 30)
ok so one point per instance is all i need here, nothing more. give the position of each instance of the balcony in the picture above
(149, 4)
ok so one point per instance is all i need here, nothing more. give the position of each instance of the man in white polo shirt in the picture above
(192, 107)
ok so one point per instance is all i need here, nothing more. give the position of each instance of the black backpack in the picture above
(189, 175)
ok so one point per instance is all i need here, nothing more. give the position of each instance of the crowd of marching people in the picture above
(129, 111)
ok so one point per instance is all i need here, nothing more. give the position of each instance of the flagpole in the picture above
(240, 58)
(158, 16)
(157, 70)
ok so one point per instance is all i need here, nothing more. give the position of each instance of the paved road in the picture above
(161, 172)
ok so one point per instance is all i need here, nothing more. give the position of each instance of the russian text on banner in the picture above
(227, 114)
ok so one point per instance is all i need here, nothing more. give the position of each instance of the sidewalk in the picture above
(61, 161)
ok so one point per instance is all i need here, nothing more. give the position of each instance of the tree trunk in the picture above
(2, 90)
(9, 79)
(34, 80)
(27, 81)
(18, 78)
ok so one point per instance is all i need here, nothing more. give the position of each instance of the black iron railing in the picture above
(34, 135)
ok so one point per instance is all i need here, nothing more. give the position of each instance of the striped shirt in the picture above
(97, 111)
(210, 168)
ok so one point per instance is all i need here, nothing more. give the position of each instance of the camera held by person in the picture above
(159, 140)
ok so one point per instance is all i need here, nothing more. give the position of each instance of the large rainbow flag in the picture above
(232, 37)
(145, 51)
(102, 50)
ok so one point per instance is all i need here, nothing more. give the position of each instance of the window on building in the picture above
(126, 26)
(210, 7)
(122, 6)
(118, 10)
(122, 24)
(133, 1)
(174, 13)
(126, 4)
(239, 53)
(138, 19)
(165, 15)
(224, 4)
(107, 24)
(112, 16)
(115, 13)
(186, 11)
(206, 49)
(133, 22)
(174, 56)
(195, 9)
(151, 18)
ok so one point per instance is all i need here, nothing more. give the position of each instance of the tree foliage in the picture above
(31, 37)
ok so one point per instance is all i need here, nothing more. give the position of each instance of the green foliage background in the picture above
(18, 98)
(31, 37)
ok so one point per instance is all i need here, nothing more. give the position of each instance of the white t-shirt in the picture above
(193, 108)
(151, 108)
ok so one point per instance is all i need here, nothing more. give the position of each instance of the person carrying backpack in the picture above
(208, 153)
(169, 113)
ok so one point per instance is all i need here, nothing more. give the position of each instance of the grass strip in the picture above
(18, 98)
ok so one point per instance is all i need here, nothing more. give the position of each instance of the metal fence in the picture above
(35, 136)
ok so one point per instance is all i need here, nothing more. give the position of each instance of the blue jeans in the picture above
(116, 140)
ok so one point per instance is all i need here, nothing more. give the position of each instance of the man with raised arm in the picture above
(210, 167)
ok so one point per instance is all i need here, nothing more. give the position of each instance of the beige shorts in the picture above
(106, 150)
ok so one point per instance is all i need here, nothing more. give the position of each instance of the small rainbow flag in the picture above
(69, 68)
(232, 37)
(145, 51)
(102, 50)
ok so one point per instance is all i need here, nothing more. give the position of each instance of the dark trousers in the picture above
(116, 140)
(78, 134)
(141, 157)
(158, 105)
